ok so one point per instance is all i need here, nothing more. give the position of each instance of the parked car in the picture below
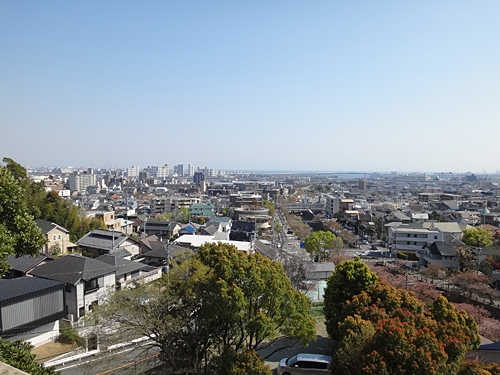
(302, 364)
(374, 247)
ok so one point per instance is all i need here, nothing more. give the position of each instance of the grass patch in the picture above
(316, 311)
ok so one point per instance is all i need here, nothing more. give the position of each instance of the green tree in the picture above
(477, 237)
(269, 206)
(182, 215)
(350, 278)
(19, 235)
(168, 310)
(319, 244)
(370, 230)
(18, 355)
(435, 216)
(277, 226)
(247, 363)
(252, 300)
(221, 301)
(16, 169)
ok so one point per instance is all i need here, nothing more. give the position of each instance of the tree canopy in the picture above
(319, 244)
(221, 303)
(384, 330)
(350, 278)
(50, 206)
(387, 331)
(18, 354)
(19, 235)
(477, 237)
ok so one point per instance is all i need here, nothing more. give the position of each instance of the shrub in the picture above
(402, 255)
(69, 335)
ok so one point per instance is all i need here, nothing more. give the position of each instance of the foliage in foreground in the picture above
(18, 355)
(219, 300)
(384, 330)
(246, 363)
(350, 278)
(19, 235)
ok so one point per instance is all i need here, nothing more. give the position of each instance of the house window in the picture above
(81, 311)
(68, 288)
(91, 285)
(58, 236)
(92, 305)
(53, 237)
(435, 237)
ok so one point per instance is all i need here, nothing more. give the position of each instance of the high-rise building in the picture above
(143, 176)
(190, 170)
(362, 184)
(198, 177)
(179, 169)
(160, 172)
(80, 181)
(133, 172)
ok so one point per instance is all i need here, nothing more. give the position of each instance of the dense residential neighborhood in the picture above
(145, 222)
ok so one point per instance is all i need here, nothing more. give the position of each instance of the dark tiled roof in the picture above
(265, 250)
(46, 226)
(120, 253)
(161, 252)
(445, 248)
(124, 266)
(102, 239)
(72, 268)
(25, 262)
(211, 230)
(148, 241)
(11, 288)
(243, 226)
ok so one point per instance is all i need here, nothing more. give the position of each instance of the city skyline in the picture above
(280, 86)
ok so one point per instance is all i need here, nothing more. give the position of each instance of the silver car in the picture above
(302, 364)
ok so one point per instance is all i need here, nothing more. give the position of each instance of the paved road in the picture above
(322, 345)
(132, 360)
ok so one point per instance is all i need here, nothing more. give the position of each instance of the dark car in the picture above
(374, 247)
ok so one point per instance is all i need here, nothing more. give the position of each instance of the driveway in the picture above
(322, 345)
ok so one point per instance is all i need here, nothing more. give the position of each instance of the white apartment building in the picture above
(190, 170)
(405, 238)
(80, 181)
(158, 171)
(134, 171)
(332, 204)
(179, 169)
(171, 204)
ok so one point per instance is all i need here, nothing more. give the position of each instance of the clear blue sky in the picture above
(262, 85)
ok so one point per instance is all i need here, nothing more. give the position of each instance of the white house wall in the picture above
(40, 335)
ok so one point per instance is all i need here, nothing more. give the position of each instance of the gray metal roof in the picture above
(12, 288)
(124, 266)
(265, 250)
(161, 252)
(26, 262)
(102, 239)
(73, 268)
